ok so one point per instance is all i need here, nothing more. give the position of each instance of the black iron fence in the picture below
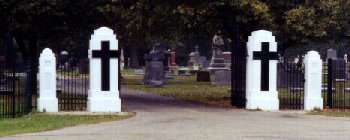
(290, 85)
(15, 100)
(336, 84)
(72, 86)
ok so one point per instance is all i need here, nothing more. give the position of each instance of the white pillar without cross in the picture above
(47, 101)
(261, 87)
(104, 76)
(313, 81)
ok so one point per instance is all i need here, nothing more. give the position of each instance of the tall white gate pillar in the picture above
(47, 101)
(104, 72)
(313, 81)
(261, 87)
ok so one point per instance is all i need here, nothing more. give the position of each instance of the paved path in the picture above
(163, 118)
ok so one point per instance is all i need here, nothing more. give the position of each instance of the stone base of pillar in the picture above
(104, 101)
(47, 104)
(313, 103)
(264, 100)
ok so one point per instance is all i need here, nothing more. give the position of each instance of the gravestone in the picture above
(122, 63)
(156, 66)
(169, 74)
(331, 54)
(193, 63)
(222, 77)
(346, 58)
(84, 66)
(103, 95)
(173, 58)
(203, 62)
(296, 59)
(47, 100)
(261, 87)
(203, 76)
(339, 69)
(184, 71)
(174, 66)
(227, 59)
(139, 72)
(64, 57)
(217, 60)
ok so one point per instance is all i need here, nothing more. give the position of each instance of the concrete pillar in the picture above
(103, 95)
(47, 101)
(313, 81)
(261, 87)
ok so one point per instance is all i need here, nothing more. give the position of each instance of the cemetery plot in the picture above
(184, 88)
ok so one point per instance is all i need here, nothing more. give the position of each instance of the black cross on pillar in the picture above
(265, 56)
(105, 54)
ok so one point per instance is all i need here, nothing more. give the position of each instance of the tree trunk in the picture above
(134, 58)
(22, 47)
(33, 62)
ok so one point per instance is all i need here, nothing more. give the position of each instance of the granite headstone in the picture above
(331, 54)
(222, 77)
(203, 76)
(338, 69)
(156, 66)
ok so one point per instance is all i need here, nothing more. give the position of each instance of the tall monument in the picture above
(217, 60)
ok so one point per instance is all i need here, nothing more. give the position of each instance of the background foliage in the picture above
(62, 24)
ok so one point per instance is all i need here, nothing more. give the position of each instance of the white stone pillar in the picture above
(47, 73)
(104, 76)
(313, 81)
(261, 87)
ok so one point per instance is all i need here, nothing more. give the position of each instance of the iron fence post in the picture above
(28, 87)
(13, 80)
(330, 84)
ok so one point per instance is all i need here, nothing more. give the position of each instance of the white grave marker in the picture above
(313, 81)
(261, 88)
(346, 58)
(104, 72)
(47, 101)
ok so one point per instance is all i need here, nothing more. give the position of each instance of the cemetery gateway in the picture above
(260, 92)
(103, 95)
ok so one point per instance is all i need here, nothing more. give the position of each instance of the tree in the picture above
(326, 21)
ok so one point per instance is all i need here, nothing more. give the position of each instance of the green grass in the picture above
(44, 122)
(127, 72)
(185, 88)
(334, 113)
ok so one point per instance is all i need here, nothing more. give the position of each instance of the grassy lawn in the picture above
(44, 122)
(127, 72)
(334, 113)
(184, 88)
